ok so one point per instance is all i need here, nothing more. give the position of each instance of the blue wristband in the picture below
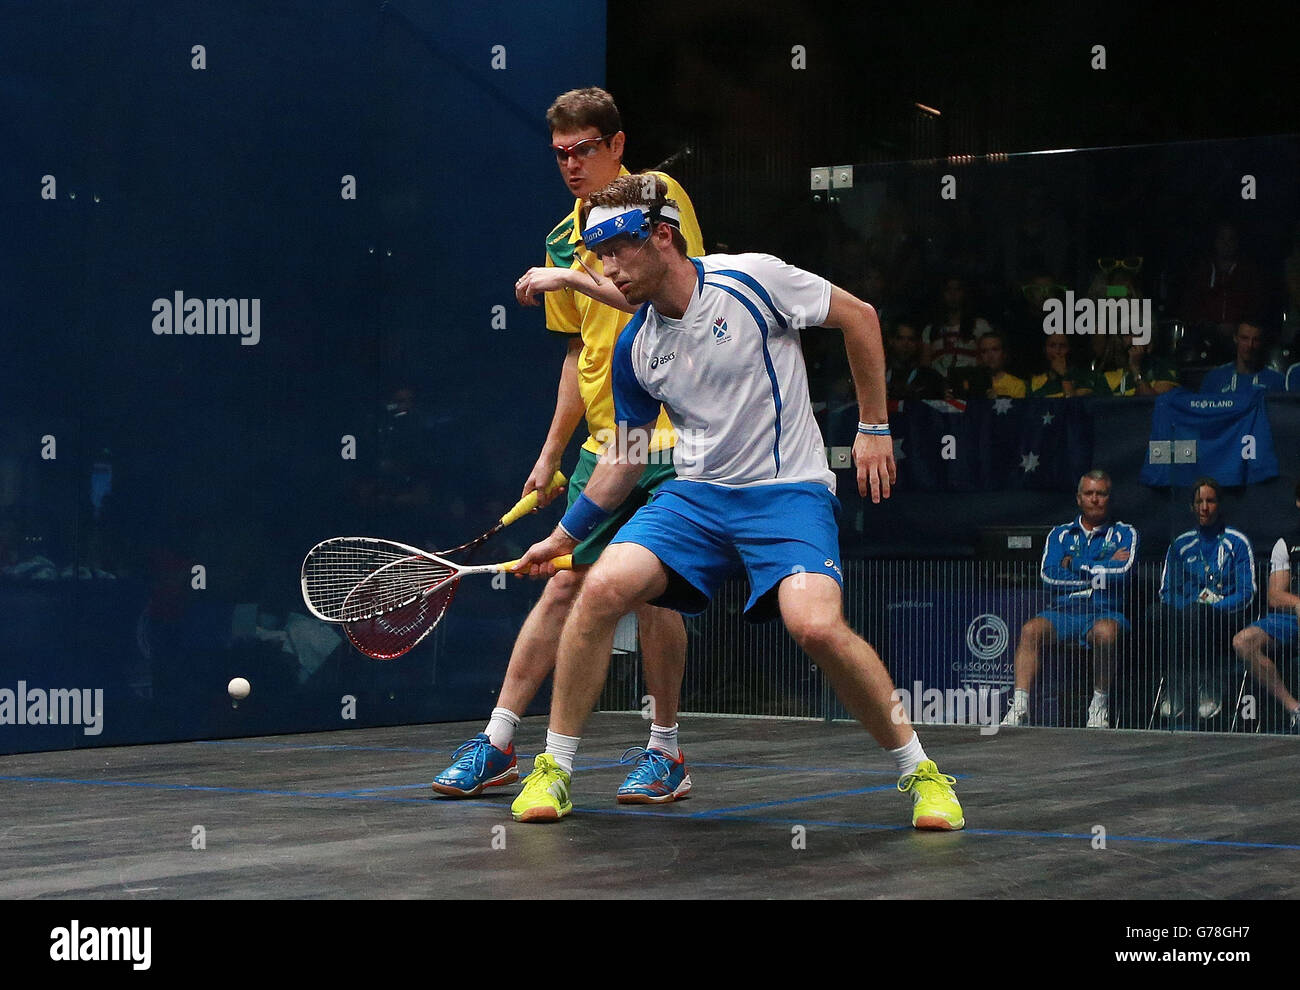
(583, 517)
(874, 429)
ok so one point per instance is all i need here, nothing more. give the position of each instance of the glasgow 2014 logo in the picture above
(987, 636)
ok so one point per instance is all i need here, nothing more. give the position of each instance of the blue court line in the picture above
(719, 814)
(775, 768)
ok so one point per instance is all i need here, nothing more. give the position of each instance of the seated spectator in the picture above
(1248, 371)
(1143, 373)
(1087, 562)
(905, 376)
(1107, 358)
(1279, 630)
(993, 357)
(949, 340)
(1206, 587)
(1028, 319)
(1222, 290)
(1062, 377)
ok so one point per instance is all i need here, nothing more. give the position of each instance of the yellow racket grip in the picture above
(564, 563)
(528, 503)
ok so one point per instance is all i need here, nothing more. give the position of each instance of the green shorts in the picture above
(659, 470)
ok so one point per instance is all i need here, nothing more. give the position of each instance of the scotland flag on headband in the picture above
(1223, 435)
(983, 444)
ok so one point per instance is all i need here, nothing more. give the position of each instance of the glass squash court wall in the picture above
(326, 168)
(323, 166)
(947, 570)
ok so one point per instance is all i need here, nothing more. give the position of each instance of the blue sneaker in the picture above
(476, 765)
(656, 779)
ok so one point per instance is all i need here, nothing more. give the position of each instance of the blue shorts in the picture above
(705, 534)
(1073, 624)
(1281, 627)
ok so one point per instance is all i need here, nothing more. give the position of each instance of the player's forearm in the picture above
(866, 353)
(600, 289)
(569, 408)
(612, 480)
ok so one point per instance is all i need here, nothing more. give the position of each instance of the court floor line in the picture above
(719, 814)
(775, 768)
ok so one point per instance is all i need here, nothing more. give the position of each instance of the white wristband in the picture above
(874, 429)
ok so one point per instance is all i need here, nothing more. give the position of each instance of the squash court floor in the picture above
(780, 809)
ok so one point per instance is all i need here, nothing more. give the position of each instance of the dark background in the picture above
(1013, 77)
(225, 183)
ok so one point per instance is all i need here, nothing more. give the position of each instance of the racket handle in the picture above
(528, 503)
(564, 563)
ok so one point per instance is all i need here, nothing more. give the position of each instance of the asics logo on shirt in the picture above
(655, 362)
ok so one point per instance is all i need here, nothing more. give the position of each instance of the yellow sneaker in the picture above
(934, 804)
(545, 797)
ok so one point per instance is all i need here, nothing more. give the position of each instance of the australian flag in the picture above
(987, 444)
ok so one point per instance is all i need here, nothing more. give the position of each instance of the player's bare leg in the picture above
(659, 773)
(533, 656)
(625, 577)
(488, 760)
(812, 611)
(811, 606)
(663, 656)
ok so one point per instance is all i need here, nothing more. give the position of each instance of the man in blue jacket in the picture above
(1207, 584)
(1087, 563)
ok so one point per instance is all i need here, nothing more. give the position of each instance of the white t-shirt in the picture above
(730, 373)
(949, 349)
(1280, 558)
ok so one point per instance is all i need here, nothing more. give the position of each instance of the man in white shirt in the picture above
(716, 342)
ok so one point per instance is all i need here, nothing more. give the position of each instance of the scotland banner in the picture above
(1225, 436)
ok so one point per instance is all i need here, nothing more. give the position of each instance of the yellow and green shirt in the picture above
(571, 312)
(1008, 386)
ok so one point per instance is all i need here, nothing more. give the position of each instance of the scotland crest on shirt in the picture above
(720, 334)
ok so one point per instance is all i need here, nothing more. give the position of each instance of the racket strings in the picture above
(350, 583)
(385, 637)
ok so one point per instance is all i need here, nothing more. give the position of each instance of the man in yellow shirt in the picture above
(588, 141)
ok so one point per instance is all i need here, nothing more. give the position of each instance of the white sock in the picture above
(1021, 700)
(1099, 697)
(909, 757)
(563, 748)
(501, 728)
(664, 740)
